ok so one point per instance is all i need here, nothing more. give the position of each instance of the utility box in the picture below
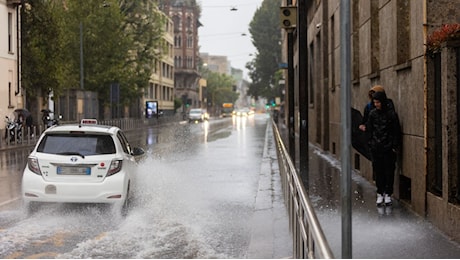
(288, 16)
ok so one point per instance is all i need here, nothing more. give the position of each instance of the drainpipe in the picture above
(18, 51)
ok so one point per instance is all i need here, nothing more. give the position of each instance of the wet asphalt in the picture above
(377, 232)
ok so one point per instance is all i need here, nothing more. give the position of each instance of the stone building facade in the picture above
(11, 94)
(161, 83)
(388, 47)
(216, 63)
(185, 15)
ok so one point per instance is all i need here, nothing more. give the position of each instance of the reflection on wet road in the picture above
(193, 198)
(12, 163)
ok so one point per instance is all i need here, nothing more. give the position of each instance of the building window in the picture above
(9, 94)
(332, 51)
(177, 41)
(177, 61)
(10, 32)
(176, 21)
(150, 92)
(375, 37)
(355, 40)
(403, 31)
(190, 42)
(311, 89)
(189, 24)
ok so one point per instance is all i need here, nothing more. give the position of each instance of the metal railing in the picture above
(19, 137)
(29, 135)
(308, 237)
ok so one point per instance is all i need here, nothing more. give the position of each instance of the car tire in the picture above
(122, 208)
(126, 206)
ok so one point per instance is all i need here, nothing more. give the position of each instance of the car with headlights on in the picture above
(81, 163)
(197, 114)
(244, 112)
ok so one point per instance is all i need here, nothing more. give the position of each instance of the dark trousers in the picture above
(383, 165)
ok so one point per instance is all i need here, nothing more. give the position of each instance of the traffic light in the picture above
(288, 17)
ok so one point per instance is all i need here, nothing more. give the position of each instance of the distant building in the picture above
(216, 63)
(11, 94)
(221, 64)
(241, 87)
(185, 15)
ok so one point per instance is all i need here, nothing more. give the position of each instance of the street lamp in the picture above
(82, 85)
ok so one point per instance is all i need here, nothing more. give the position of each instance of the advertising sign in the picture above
(151, 109)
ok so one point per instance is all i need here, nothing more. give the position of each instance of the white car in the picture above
(80, 163)
(197, 114)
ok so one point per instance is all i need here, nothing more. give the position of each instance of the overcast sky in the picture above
(226, 32)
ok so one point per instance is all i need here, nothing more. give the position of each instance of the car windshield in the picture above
(195, 111)
(77, 144)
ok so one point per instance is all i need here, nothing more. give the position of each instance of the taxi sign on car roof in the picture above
(88, 121)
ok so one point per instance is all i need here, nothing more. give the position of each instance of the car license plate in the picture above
(73, 170)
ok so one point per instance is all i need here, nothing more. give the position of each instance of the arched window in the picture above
(176, 21)
(190, 41)
(177, 41)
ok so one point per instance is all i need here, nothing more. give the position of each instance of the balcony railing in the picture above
(13, 2)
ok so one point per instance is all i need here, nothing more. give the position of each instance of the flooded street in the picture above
(193, 198)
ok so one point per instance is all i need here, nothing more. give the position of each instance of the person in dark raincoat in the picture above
(370, 105)
(385, 141)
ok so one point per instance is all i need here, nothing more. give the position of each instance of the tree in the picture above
(220, 88)
(121, 44)
(42, 69)
(144, 26)
(105, 48)
(266, 36)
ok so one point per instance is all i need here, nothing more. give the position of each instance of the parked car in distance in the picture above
(81, 163)
(197, 114)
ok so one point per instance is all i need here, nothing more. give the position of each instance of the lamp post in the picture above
(82, 84)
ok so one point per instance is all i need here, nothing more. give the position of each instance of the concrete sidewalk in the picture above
(270, 237)
(377, 232)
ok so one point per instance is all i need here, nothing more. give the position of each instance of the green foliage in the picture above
(177, 104)
(220, 88)
(144, 27)
(121, 43)
(41, 41)
(266, 35)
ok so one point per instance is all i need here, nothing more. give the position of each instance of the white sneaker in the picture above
(387, 199)
(379, 199)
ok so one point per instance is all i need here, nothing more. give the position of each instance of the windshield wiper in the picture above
(73, 153)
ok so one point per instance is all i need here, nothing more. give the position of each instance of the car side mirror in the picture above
(137, 151)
